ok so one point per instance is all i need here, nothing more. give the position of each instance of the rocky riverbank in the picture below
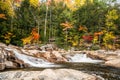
(111, 58)
(30, 55)
(48, 74)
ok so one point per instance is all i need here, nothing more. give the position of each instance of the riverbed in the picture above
(108, 73)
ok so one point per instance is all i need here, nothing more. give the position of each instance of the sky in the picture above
(118, 1)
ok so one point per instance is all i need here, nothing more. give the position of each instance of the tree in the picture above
(109, 36)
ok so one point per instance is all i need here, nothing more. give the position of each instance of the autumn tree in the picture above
(109, 35)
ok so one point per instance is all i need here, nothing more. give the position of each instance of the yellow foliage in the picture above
(108, 36)
(109, 46)
(95, 39)
(112, 15)
(74, 43)
(110, 18)
(7, 5)
(34, 3)
(108, 39)
(27, 40)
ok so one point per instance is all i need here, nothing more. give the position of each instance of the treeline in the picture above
(95, 24)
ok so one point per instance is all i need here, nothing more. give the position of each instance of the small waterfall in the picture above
(32, 61)
(82, 58)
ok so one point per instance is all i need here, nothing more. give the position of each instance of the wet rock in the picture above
(47, 74)
(8, 59)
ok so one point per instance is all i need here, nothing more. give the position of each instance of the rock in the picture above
(47, 74)
(2, 66)
(9, 64)
(45, 55)
(53, 56)
(56, 54)
(96, 55)
(2, 58)
(3, 45)
(58, 57)
(104, 56)
(48, 47)
(31, 46)
(113, 63)
(30, 52)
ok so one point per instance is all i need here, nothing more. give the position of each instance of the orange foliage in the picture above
(35, 35)
(82, 28)
(98, 33)
(2, 16)
(66, 25)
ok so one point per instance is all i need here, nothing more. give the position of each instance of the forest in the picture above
(81, 24)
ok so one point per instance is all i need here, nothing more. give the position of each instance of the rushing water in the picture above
(32, 61)
(82, 58)
(78, 61)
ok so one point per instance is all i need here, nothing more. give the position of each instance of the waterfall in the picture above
(32, 61)
(82, 58)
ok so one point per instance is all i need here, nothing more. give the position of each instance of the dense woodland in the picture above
(94, 24)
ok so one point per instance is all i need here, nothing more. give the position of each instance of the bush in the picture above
(95, 47)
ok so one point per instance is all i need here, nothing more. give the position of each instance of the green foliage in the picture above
(7, 37)
(95, 47)
(86, 18)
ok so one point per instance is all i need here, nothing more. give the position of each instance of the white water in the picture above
(32, 61)
(82, 58)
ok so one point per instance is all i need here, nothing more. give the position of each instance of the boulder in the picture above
(47, 74)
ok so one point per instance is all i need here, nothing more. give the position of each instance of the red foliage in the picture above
(88, 38)
(17, 1)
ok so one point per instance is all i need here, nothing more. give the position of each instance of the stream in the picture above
(108, 73)
(77, 61)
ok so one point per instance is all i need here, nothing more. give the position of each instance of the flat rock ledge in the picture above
(48, 74)
(111, 58)
(113, 63)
